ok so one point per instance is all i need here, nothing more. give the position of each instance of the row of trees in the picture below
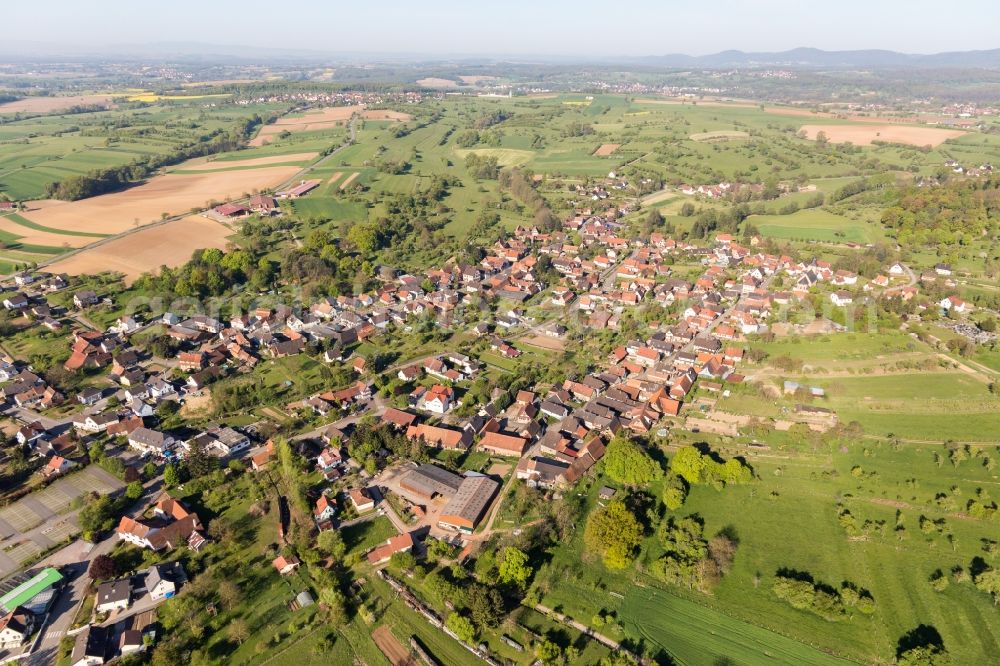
(832, 604)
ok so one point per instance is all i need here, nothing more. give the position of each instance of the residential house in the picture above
(95, 422)
(263, 204)
(15, 301)
(954, 304)
(286, 565)
(89, 396)
(362, 499)
(86, 298)
(173, 524)
(841, 298)
(324, 510)
(162, 580)
(57, 466)
(437, 399)
(90, 647)
(28, 435)
(262, 458)
(401, 543)
(149, 441)
(114, 595)
(398, 419)
(16, 628)
(539, 472)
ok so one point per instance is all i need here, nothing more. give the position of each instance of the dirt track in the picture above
(350, 179)
(392, 648)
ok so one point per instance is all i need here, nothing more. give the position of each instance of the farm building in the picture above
(263, 204)
(303, 188)
(468, 506)
(430, 481)
(400, 543)
(231, 211)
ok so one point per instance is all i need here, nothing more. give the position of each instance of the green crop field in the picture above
(829, 350)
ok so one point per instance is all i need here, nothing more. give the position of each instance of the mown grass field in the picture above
(695, 635)
(816, 225)
(889, 383)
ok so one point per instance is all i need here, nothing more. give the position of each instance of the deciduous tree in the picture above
(626, 462)
(615, 533)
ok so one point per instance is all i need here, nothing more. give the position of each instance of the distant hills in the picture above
(809, 57)
(15, 51)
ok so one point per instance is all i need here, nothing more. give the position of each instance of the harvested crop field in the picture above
(171, 193)
(316, 119)
(169, 244)
(215, 165)
(434, 82)
(385, 114)
(349, 180)
(31, 236)
(50, 104)
(545, 342)
(472, 80)
(864, 135)
(606, 149)
(392, 648)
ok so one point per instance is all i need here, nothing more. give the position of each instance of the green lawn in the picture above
(364, 536)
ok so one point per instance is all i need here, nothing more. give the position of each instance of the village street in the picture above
(63, 611)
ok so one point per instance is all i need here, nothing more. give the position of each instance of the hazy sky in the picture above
(544, 27)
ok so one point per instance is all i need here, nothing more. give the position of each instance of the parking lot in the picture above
(43, 519)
